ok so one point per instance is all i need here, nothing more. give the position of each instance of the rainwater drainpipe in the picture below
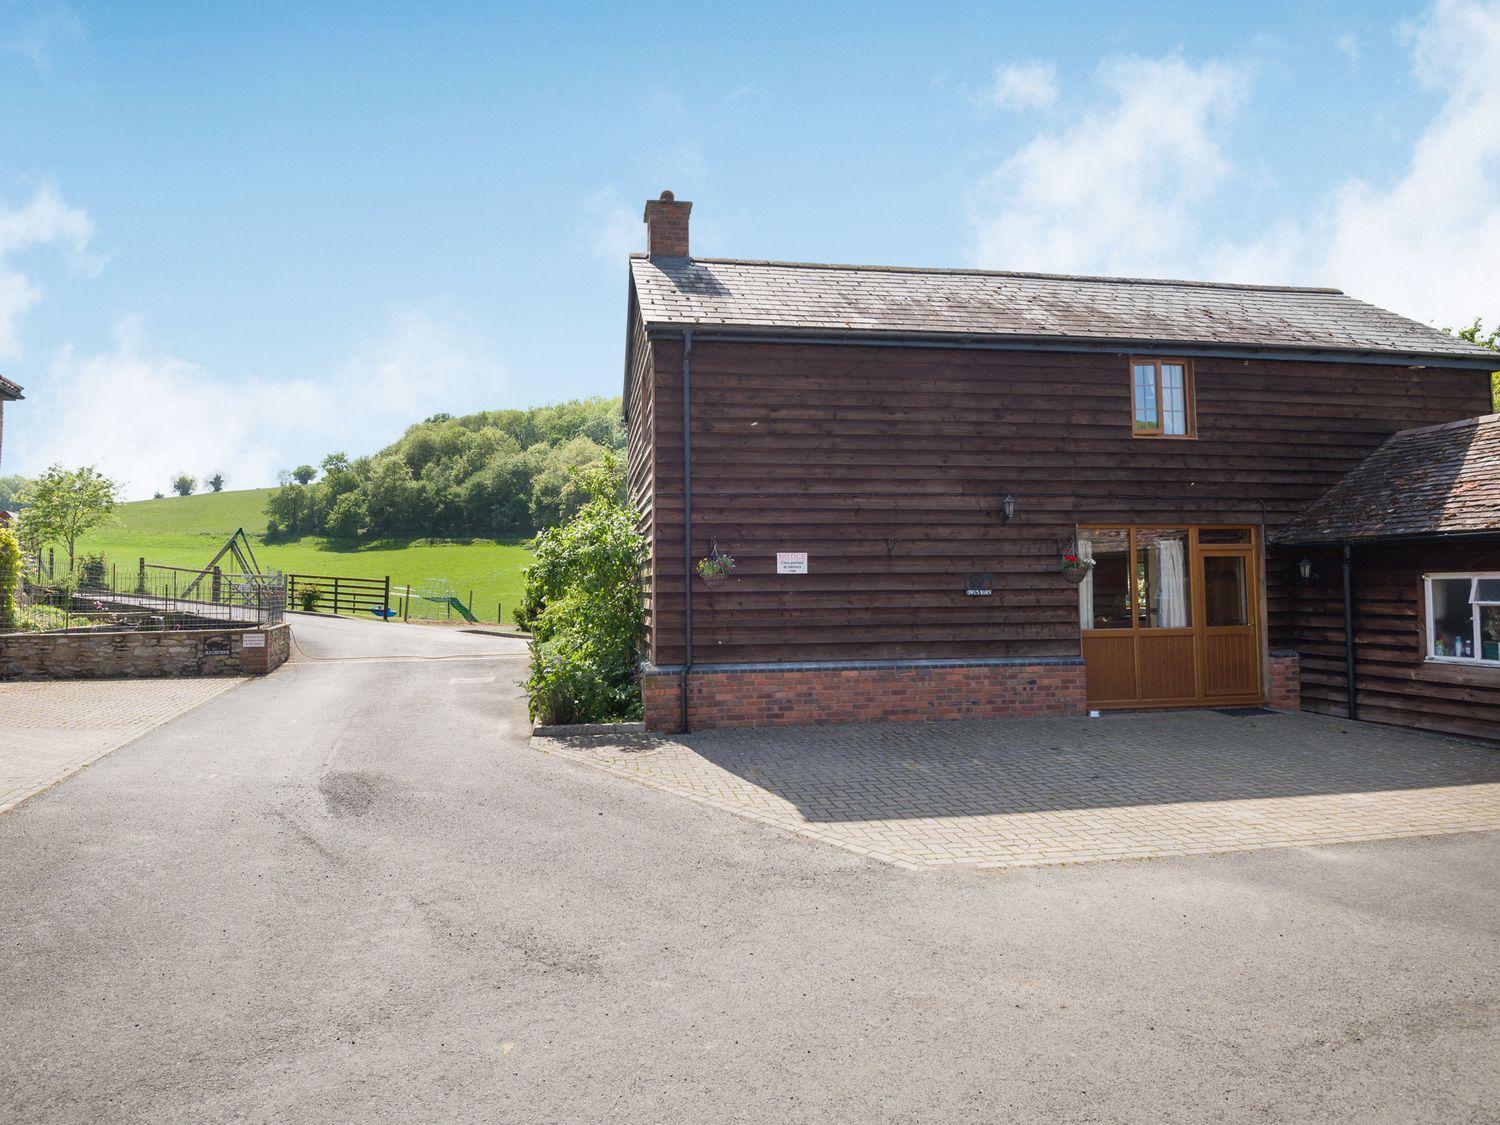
(1349, 636)
(687, 518)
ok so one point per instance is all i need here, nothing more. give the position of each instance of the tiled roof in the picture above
(8, 390)
(1437, 480)
(875, 300)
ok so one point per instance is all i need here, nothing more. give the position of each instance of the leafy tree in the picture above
(158, 496)
(184, 485)
(64, 504)
(583, 605)
(347, 516)
(10, 489)
(10, 579)
(494, 473)
(216, 482)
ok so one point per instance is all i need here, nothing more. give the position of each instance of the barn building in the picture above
(864, 490)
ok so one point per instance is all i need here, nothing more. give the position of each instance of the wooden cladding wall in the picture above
(640, 462)
(888, 467)
(1394, 683)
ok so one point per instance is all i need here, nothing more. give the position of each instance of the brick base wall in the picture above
(141, 655)
(1284, 692)
(796, 694)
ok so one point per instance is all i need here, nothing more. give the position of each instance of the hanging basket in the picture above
(712, 581)
(1076, 574)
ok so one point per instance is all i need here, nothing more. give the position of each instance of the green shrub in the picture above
(583, 606)
(10, 579)
(307, 598)
(91, 570)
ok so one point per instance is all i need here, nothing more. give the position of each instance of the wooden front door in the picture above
(1170, 616)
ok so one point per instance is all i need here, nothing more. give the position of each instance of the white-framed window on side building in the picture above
(1463, 618)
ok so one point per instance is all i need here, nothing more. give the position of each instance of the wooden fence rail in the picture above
(328, 593)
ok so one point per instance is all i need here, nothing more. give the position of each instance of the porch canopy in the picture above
(1435, 482)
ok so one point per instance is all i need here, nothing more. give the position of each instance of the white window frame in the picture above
(1477, 659)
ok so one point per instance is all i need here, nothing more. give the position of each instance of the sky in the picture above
(237, 237)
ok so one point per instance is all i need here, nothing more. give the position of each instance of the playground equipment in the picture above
(433, 600)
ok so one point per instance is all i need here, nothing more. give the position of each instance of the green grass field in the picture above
(188, 530)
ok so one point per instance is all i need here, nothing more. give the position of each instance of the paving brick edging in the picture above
(127, 654)
(721, 696)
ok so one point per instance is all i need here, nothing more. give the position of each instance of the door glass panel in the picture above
(1104, 596)
(1173, 399)
(1145, 396)
(1225, 600)
(1162, 588)
(1452, 617)
(1217, 535)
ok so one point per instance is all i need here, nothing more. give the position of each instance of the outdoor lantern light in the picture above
(1305, 569)
(1008, 509)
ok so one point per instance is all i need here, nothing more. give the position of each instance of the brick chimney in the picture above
(667, 227)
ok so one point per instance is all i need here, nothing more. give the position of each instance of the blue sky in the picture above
(235, 237)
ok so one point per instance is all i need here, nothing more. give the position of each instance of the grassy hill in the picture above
(188, 530)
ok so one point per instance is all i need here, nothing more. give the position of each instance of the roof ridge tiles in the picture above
(965, 271)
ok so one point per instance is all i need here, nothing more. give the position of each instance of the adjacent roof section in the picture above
(1437, 480)
(792, 297)
(9, 391)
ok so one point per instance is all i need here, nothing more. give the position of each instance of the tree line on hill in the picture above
(495, 474)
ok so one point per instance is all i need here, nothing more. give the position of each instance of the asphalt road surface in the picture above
(350, 892)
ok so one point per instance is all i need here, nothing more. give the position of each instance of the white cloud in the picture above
(1116, 192)
(141, 415)
(45, 220)
(1428, 245)
(1348, 44)
(34, 35)
(1140, 185)
(1027, 85)
(609, 227)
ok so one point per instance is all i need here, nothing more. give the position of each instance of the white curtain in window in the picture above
(1171, 584)
(1086, 587)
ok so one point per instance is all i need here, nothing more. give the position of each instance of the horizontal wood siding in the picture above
(1394, 683)
(640, 465)
(888, 467)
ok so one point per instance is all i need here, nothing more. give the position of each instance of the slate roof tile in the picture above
(809, 297)
(1437, 480)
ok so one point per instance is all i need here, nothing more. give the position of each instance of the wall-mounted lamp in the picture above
(1008, 509)
(1305, 569)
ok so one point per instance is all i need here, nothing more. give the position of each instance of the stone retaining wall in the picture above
(142, 655)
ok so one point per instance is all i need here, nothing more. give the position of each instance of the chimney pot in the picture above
(666, 222)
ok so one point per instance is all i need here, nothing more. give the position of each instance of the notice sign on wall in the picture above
(255, 640)
(791, 562)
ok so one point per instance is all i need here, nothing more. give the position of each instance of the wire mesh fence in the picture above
(96, 598)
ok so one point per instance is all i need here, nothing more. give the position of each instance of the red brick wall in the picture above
(803, 695)
(1284, 692)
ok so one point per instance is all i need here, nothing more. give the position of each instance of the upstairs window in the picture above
(1463, 618)
(1162, 396)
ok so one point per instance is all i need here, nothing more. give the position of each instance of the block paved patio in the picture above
(49, 730)
(1023, 792)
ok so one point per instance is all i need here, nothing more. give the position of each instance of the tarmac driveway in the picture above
(352, 891)
(1024, 792)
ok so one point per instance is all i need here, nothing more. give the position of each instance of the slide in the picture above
(463, 611)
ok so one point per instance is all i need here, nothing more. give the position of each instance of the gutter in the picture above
(1108, 345)
(1353, 708)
